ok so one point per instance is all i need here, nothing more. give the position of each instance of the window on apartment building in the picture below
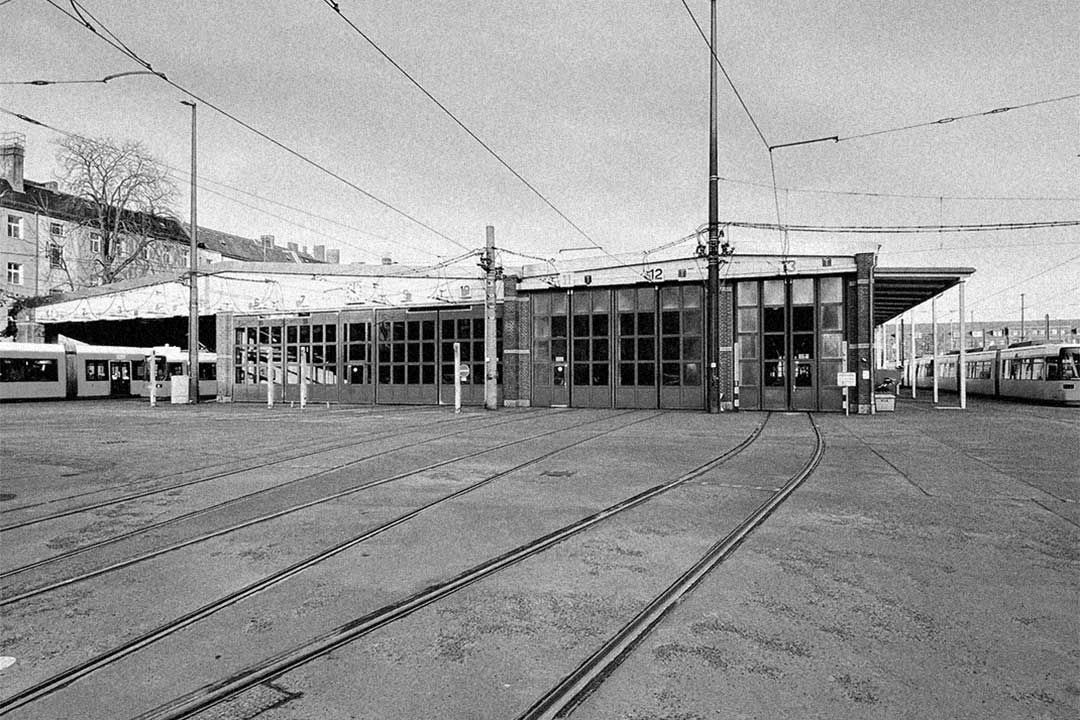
(120, 248)
(14, 226)
(15, 273)
(95, 242)
(56, 229)
(56, 255)
(146, 251)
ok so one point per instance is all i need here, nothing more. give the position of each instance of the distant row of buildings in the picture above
(51, 242)
(985, 334)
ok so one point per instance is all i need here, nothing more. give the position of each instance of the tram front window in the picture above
(1070, 364)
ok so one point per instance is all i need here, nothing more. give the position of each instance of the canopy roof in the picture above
(897, 290)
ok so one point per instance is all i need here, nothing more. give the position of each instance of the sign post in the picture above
(460, 372)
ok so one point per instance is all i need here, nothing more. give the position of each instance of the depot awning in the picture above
(897, 290)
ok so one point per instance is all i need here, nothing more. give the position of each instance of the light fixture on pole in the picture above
(193, 295)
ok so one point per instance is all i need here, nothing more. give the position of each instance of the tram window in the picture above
(97, 370)
(207, 371)
(774, 319)
(1070, 364)
(802, 319)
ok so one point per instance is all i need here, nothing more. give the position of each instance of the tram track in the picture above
(70, 675)
(128, 562)
(309, 450)
(191, 703)
(260, 452)
(561, 700)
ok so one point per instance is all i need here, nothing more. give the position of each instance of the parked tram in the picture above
(172, 361)
(43, 371)
(1037, 373)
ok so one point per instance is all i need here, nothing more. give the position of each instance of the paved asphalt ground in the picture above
(928, 567)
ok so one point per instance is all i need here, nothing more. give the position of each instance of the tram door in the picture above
(119, 378)
(551, 359)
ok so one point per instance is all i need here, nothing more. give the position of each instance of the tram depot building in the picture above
(597, 335)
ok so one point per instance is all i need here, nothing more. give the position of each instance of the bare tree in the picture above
(126, 200)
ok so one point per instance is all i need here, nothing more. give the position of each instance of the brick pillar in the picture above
(859, 334)
(726, 344)
(517, 344)
(226, 349)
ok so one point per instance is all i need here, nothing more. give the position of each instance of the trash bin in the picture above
(885, 402)
(179, 390)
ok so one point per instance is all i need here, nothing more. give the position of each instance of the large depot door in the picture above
(790, 333)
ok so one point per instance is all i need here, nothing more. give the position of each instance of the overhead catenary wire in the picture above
(336, 7)
(914, 196)
(200, 184)
(905, 229)
(124, 49)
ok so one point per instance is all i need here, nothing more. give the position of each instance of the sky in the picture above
(602, 107)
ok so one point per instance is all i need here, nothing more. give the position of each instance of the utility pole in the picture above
(491, 397)
(1022, 338)
(193, 296)
(712, 294)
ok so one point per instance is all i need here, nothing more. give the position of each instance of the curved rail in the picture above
(198, 700)
(572, 690)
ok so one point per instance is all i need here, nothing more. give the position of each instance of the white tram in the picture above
(42, 371)
(1039, 373)
(173, 361)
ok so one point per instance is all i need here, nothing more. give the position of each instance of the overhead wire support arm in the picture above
(832, 138)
